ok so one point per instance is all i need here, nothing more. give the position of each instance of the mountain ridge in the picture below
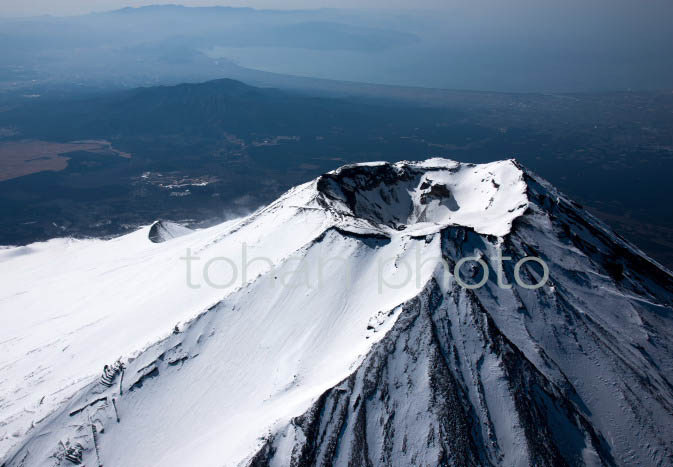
(575, 372)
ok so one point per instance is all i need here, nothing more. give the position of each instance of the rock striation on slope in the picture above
(421, 371)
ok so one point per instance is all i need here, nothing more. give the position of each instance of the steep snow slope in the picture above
(350, 343)
(71, 306)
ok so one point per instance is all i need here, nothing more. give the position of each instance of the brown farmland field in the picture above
(19, 158)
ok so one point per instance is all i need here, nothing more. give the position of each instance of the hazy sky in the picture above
(68, 7)
(506, 9)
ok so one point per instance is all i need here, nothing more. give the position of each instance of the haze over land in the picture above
(502, 46)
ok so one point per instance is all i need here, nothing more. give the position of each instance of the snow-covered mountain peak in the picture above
(322, 330)
(424, 197)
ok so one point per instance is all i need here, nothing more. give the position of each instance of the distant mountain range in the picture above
(205, 110)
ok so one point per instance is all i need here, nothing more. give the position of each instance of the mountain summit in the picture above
(417, 313)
